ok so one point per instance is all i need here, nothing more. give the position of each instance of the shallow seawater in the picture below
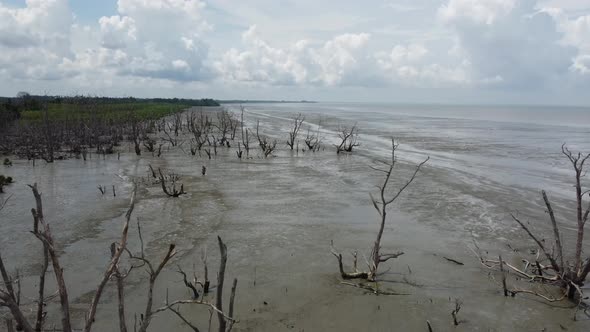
(279, 215)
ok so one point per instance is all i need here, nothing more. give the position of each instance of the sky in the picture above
(405, 51)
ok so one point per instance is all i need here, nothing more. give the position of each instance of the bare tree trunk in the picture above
(9, 325)
(121, 302)
(47, 239)
(7, 301)
(220, 281)
(111, 267)
(41, 300)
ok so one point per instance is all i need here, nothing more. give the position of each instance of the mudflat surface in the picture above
(278, 217)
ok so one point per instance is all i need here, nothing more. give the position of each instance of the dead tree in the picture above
(49, 133)
(239, 152)
(223, 125)
(380, 204)
(170, 190)
(348, 139)
(233, 126)
(245, 136)
(550, 266)
(226, 320)
(455, 312)
(177, 123)
(136, 136)
(9, 298)
(173, 140)
(313, 140)
(150, 144)
(102, 189)
(264, 142)
(200, 127)
(193, 147)
(297, 122)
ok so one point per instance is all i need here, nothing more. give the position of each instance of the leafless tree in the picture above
(225, 125)
(266, 145)
(10, 296)
(348, 139)
(550, 265)
(102, 189)
(233, 126)
(150, 144)
(245, 136)
(41, 230)
(297, 122)
(177, 123)
(173, 140)
(170, 189)
(49, 132)
(200, 127)
(136, 135)
(455, 312)
(313, 140)
(380, 204)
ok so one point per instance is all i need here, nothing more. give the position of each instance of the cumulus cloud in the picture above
(509, 40)
(576, 33)
(158, 39)
(117, 31)
(34, 41)
(478, 11)
(412, 65)
(509, 45)
(303, 62)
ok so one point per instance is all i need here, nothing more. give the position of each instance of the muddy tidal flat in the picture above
(279, 216)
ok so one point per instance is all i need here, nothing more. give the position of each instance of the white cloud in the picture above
(581, 64)
(401, 7)
(34, 40)
(161, 39)
(511, 40)
(117, 31)
(410, 53)
(301, 63)
(410, 65)
(516, 46)
(480, 11)
(576, 33)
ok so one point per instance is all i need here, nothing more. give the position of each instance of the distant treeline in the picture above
(12, 108)
(31, 102)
